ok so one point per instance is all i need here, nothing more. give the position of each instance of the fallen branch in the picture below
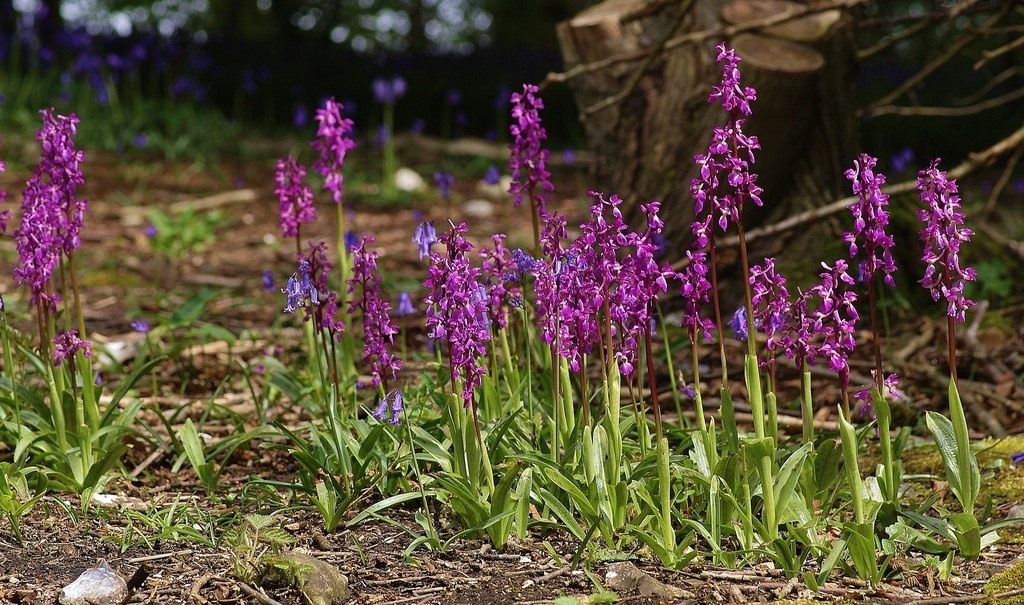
(1004, 180)
(949, 112)
(929, 69)
(989, 55)
(260, 595)
(995, 598)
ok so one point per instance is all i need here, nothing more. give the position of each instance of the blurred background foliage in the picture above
(166, 73)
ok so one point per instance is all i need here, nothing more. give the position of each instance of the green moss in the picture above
(1011, 578)
(924, 459)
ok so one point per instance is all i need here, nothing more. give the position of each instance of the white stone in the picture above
(97, 586)
(407, 179)
(478, 209)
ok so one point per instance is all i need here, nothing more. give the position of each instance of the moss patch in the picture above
(1011, 578)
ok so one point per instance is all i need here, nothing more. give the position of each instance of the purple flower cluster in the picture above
(498, 267)
(609, 273)
(870, 219)
(730, 156)
(527, 159)
(835, 317)
(942, 234)
(640, 281)
(770, 300)
(66, 344)
(294, 196)
(695, 289)
(378, 329)
(865, 409)
(51, 211)
(334, 141)
(457, 312)
(388, 91)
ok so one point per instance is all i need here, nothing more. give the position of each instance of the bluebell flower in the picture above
(300, 289)
(140, 325)
(405, 306)
(493, 175)
(738, 323)
(267, 280)
(424, 238)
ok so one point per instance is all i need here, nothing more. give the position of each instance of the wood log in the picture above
(644, 144)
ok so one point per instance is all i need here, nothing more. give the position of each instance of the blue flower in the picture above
(738, 323)
(267, 280)
(493, 175)
(392, 403)
(140, 325)
(405, 306)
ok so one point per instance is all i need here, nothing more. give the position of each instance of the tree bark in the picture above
(645, 143)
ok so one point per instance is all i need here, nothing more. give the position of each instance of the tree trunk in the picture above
(644, 144)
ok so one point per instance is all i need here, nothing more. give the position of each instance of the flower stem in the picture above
(698, 400)
(652, 384)
(875, 336)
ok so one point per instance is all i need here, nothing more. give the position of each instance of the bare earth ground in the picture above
(122, 275)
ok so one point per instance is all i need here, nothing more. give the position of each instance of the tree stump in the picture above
(644, 144)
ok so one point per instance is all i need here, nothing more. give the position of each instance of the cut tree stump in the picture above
(644, 144)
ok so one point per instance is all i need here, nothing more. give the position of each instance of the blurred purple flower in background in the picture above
(140, 325)
(527, 159)
(66, 344)
(300, 116)
(351, 240)
(267, 280)
(334, 141)
(405, 306)
(294, 196)
(492, 176)
(902, 160)
(444, 182)
(388, 91)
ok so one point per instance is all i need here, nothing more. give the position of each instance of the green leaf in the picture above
(968, 534)
(945, 438)
(384, 504)
(789, 475)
